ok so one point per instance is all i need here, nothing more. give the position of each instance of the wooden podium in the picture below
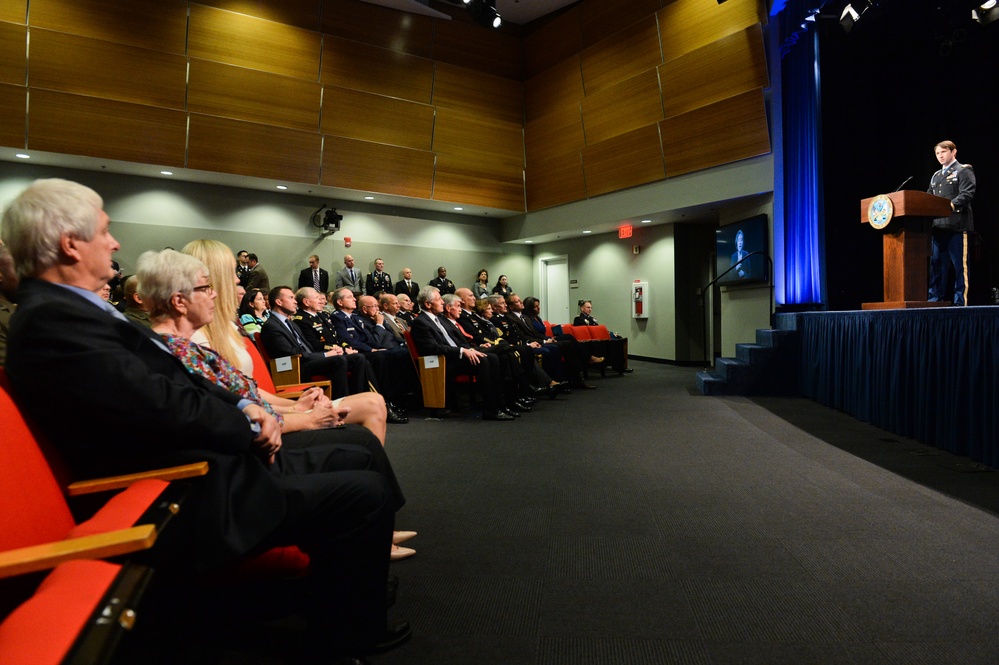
(906, 248)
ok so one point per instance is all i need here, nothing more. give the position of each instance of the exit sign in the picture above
(625, 231)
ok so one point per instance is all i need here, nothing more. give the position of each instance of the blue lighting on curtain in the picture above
(800, 277)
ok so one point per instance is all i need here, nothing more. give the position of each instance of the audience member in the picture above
(389, 306)
(242, 269)
(480, 289)
(575, 356)
(406, 307)
(441, 282)
(253, 311)
(337, 502)
(407, 286)
(314, 276)
(502, 287)
(349, 278)
(379, 281)
(134, 308)
(258, 278)
(8, 284)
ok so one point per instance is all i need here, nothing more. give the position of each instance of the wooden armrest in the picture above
(82, 487)
(293, 394)
(99, 546)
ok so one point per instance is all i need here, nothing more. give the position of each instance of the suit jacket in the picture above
(397, 327)
(279, 341)
(350, 329)
(170, 416)
(584, 320)
(413, 290)
(383, 337)
(430, 341)
(305, 279)
(343, 280)
(258, 279)
(443, 285)
(378, 282)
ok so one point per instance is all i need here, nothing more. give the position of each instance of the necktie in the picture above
(351, 274)
(298, 338)
(315, 279)
(443, 331)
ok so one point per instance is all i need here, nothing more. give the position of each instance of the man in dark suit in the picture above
(379, 281)
(349, 277)
(573, 355)
(441, 282)
(258, 278)
(280, 339)
(336, 502)
(314, 276)
(432, 338)
(407, 285)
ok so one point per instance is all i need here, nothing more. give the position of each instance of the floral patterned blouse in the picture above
(199, 360)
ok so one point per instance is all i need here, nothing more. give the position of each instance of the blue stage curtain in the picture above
(800, 271)
(931, 375)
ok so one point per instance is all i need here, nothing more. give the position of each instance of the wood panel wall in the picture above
(356, 95)
(648, 73)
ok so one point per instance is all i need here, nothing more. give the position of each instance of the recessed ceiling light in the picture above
(21, 155)
(458, 208)
(282, 186)
(646, 221)
(166, 172)
(529, 242)
(587, 231)
(369, 198)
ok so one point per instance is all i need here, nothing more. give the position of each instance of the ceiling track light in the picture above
(484, 12)
(986, 12)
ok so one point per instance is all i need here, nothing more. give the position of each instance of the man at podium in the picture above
(954, 181)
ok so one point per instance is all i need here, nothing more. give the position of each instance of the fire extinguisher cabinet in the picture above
(640, 300)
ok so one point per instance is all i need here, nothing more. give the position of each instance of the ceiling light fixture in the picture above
(282, 186)
(21, 155)
(166, 172)
(986, 13)
(484, 12)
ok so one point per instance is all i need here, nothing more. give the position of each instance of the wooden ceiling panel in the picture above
(374, 167)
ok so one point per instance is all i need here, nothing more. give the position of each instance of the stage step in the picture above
(768, 367)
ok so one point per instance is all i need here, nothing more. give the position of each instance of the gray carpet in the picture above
(642, 523)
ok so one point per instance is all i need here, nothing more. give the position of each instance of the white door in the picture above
(555, 290)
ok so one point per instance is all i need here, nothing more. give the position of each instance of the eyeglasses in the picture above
(205, 288)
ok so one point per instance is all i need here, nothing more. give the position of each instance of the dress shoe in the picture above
(510, 412)
(402, 536)
(395, 418)
(400, 553)
(521, 407)
(628, 370)
(537, 390)
(497, 415)
(396, 633)
(392, 406)
(529, 400)
(563, 387)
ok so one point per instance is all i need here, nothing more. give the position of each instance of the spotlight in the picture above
(484, 12)
(852, 14)
(986, 13)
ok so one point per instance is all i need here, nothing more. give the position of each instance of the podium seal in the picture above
(880, 212)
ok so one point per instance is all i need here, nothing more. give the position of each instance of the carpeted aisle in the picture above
(642, 523)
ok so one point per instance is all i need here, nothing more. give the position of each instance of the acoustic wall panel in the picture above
(623, 107)
(348, 64)
(13, 105)
(246, 148)
(246, 41)
(379, 26)
(14, 11)
(367, 117)
(605, 17)
(552, 182)
(86, 66)
(686, 25)
(731, 65)
(557, 40)
(374, 167)
(720, 133)
(13, 53)
(482, 94)
(553, 89)
(482, 144)
(300, 13)
(248, 94)
(624, 161)
(80, 125)
(481, 49)
(558, 133)
(622, 55)
(458, 181)
(158, 25)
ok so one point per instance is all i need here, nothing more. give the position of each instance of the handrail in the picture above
(709, 355)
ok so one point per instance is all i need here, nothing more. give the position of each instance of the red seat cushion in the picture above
(599, 332)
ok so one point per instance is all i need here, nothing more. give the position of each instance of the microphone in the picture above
(902, 185)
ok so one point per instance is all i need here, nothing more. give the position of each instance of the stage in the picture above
(927, 374)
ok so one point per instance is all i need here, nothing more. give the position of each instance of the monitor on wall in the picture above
(733, 244)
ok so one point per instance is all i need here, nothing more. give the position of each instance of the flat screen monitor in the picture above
(734, 242)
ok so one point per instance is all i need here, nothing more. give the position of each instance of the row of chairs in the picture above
(80, 609)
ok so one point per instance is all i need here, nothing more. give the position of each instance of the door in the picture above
(555, 290)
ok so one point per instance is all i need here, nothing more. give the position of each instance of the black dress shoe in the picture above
(395, 418)
(396, 633)
(521, 407)
(563, 387)
(510, 412)
(627, 370)
(392, 406)
(497, 415)
(537, 390)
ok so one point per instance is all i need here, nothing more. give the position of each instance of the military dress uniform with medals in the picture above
(950, 234)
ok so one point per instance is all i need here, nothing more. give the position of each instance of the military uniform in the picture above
(950, 234)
